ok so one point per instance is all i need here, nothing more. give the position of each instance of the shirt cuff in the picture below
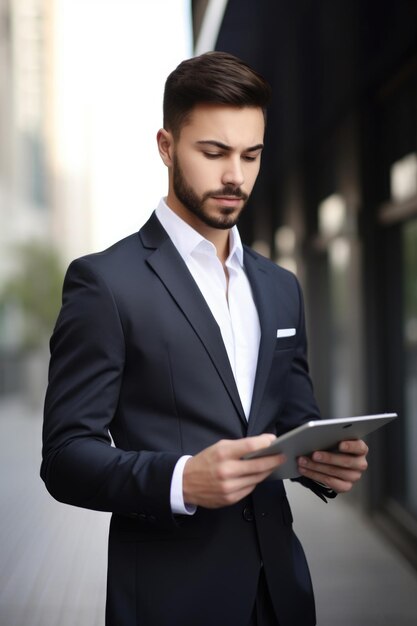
(178, 506)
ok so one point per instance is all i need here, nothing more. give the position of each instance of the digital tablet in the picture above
(318, 435)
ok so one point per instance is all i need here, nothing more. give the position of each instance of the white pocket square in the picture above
(285, 332)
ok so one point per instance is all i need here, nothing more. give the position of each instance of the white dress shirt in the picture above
(231, 304)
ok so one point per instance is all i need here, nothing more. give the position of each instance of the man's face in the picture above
(215, 164)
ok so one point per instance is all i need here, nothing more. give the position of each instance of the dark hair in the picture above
(213, 77)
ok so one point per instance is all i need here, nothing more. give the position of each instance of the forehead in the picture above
(231, 125)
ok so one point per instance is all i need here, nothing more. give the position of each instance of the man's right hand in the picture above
(218, 476)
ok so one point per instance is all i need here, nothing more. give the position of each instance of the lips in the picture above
(228, 200)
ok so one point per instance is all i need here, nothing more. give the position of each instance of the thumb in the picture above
(250, 444)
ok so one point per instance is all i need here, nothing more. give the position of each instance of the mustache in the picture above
(229, 191)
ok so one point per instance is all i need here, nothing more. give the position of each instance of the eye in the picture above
(249, 158)
(212, 155)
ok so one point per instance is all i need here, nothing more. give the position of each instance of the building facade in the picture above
(39, 200)
(337, 202)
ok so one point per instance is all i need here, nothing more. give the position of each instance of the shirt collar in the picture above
(186, 239)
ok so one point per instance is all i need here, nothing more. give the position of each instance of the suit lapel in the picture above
(168, 265)
(261, 288)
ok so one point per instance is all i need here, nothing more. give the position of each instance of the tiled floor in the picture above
(53, 557)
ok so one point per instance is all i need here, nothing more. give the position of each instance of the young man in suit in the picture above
(169, 342)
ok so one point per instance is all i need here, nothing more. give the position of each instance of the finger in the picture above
(349, 472)
(235, 469)
(236, 448)
(348, 461)
(227, 499)
(231, 490)
(253, 467)
(331, 471)
(339, 485)
(357, 447)
(251, 444)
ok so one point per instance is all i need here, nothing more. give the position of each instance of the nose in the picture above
(233, 172)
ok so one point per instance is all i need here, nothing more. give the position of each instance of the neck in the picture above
(217, 236)
(220, 239)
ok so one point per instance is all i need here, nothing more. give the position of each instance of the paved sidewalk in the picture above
(358, 577)
(53, 556)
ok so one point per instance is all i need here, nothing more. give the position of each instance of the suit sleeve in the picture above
(80, 466)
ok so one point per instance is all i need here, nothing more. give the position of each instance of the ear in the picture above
(165, 146)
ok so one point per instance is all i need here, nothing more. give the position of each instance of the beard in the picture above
(195, 204)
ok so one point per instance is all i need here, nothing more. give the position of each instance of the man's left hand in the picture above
(336, 470)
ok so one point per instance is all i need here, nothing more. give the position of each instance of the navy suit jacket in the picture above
(137, 353)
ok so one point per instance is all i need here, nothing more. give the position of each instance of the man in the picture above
(168, 340)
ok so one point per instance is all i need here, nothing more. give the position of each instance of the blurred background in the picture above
(81, 85)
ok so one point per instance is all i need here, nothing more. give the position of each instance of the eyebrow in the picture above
(223, 146)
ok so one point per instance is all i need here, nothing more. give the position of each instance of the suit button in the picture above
(248, 514)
